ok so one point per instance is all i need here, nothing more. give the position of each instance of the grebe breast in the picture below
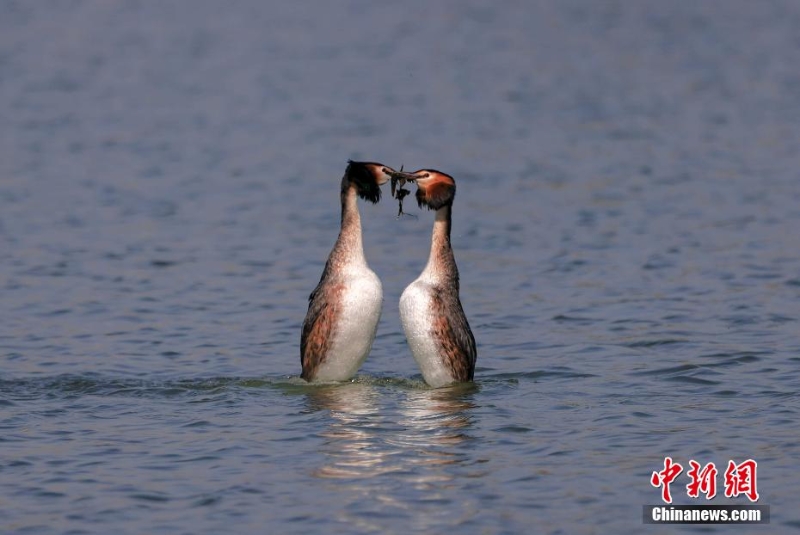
(437, 333)
(357, 303)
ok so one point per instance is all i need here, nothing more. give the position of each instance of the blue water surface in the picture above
(627, 229)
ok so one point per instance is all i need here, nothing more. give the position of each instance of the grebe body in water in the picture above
(433, 320)
(344, 308)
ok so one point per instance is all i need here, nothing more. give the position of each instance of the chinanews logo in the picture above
(739, 479)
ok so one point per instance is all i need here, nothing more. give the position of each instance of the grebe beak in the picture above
(401, 175)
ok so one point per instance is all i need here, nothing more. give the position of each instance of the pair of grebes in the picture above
(344, 308)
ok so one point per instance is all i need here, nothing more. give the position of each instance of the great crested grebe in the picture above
(434, 322)
(344, 308)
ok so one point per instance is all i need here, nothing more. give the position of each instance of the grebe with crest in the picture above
(430, 309)
(344, 308)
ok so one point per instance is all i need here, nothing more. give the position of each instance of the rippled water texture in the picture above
(627, 228)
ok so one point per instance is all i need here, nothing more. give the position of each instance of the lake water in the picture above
(627, 227)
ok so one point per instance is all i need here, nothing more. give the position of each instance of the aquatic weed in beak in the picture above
(399, 177)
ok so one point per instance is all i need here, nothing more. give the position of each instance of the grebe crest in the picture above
(434, 188)
(368, 178)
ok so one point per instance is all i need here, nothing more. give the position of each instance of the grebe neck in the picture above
(349, 247)
(441, 268)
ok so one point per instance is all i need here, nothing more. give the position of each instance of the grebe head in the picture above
(434, 188)
(368, 178)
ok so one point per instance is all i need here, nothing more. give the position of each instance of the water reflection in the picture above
(435, 423)
(363, 440)
(351, 445)
(439, 454)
